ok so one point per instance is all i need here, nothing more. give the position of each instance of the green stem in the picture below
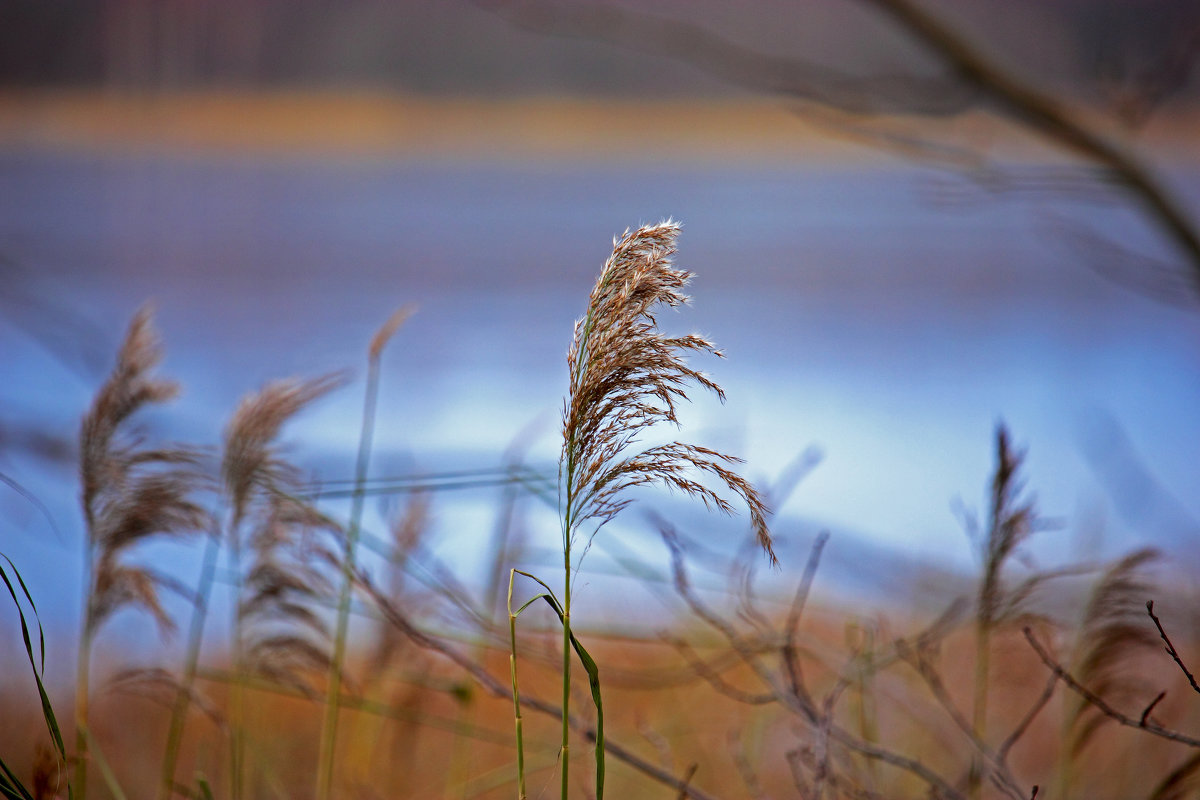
(191, 659)
(512, 667)
(336, 664)
(566, 688)
(237, 712)
(79, 788)
(979, 717)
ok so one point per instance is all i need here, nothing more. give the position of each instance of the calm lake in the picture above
(889, 316)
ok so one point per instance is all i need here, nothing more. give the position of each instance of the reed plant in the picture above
(626, 376)
(329, 726)
(130, 494)
(267, 514)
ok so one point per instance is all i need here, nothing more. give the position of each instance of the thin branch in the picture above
(1145, 718)
(1099, 702)
(1171, 651)
(977, 79)
(713, 678)
(1043, 114)
(933, 680)
(790, 656)
(789, 699)
(1022, 726)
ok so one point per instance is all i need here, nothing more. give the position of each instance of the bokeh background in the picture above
(892, 261)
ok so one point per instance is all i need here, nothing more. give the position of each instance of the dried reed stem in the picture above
(1009, 525)
(626, 376)
(328, 744)
(259, 482)
(130, 494)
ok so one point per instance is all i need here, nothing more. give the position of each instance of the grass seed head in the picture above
(626, 376)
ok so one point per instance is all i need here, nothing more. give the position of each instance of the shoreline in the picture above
(379, 125)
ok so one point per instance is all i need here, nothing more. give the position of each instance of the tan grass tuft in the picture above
(131, 493)
(280, 635)
(626, 376)
(388, 329)
(1114, 633)
(251, 467)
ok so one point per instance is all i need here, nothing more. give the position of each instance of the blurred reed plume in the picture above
(262, 489)
(252, 469)
(1011, 522)
(130, 493)
(283, 638)
(1113, 634)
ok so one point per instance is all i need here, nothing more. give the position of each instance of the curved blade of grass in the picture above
(203, 790)
(47, 709)
(11, 787)
(106, 771)
(593, 672)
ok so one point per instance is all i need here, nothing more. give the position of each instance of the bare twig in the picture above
(1000, 775)
(789, 699)
(1150, 707)
(1171, 651)
(790, 657)
(974, 79)
(1044, 115)
(1099, 703)
(1022, 726)
(713, 678)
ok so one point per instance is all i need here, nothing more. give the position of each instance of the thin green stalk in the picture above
(337, 663)
(566, 730)
(512, 667)
(191, 660)
(237, 711)
(79, 788)
(106, 771)
(979, 719)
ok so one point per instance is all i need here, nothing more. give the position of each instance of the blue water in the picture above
(888, 315)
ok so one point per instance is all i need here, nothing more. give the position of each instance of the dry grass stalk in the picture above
(626, 376)
(1114, 632)
(252, 469)
(1010, 523)
(130, 494)
(262, 486)
(329, 725)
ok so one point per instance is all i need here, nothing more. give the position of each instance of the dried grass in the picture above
(625, 377)
(132, 493)
(1113, 635)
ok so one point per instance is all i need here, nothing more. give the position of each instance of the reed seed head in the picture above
(625, 377)
(130, 492)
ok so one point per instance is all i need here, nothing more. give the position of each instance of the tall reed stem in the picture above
(516, 692)
(191, 660)
(237, 708)
(337, 663)
(566, 671)
(82, 682)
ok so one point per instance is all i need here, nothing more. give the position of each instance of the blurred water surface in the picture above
(890, 315)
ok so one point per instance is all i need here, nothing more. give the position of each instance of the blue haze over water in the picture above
(888, 315)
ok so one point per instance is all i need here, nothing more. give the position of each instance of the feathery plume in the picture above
(626, 376)
(1114, 633)
(132, 493)
(278, 634)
